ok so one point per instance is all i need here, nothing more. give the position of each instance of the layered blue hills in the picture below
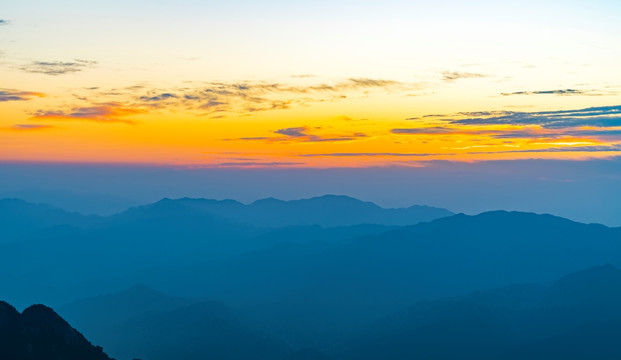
(322, 278)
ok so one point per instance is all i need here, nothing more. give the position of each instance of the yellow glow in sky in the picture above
(334, 84)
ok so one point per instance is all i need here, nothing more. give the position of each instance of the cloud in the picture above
(562, 92)
(428, 131)
(604, 116)
(303, 134)
(252, 138)
(370, 83)
(30, 127)
(55, 68)
(105, 113)
(501, 134)
(293, 132)
(14, 95)
(458, 75)
(159, 97)
(590, 148)
(254, 96)
(602, 123)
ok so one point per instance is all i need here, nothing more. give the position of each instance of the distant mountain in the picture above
(577, 317)
(19, 218)
(351, 282)
(333, 210)
(84, 203)
(327, 279)
(143, 323)
(168, 233)
(326, 211)
(96, 315)
(40, 334)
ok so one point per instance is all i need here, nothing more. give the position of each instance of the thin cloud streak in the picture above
(14, 95)
(102, 113)
(450, 76)
(603, 116)
(55, 68)
(562, 92)
(30, 127)
(303, 134)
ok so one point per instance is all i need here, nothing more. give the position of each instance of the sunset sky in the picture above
(308, 83)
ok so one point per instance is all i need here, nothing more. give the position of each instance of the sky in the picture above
(308, 84)
(388, 88)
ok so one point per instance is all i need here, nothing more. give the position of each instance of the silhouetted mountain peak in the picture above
(39, 333)
(8, 314)
(42, 320)
(39, 312)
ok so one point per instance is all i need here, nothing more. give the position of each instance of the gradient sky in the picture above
(308, 83)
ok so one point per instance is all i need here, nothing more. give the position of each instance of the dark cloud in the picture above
(105, 112)
(252, 138)
(595, 122)
(590, 148)
(213, 105)
(500, 134)
(303, 134)
(563, 92)
(599, 133)
(14, 95)
(426, 130)
(472, 113)
(457, 75)
(293, 132)
(159, 97)
(604, 116)
(30, 127)
(58, 67)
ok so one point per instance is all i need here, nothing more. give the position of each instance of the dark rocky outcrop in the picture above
(40, 334)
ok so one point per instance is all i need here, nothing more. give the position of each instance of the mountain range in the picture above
(85, 249)
(323, 278)
(575, 317)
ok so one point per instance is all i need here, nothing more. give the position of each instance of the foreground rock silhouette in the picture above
(38, 333)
